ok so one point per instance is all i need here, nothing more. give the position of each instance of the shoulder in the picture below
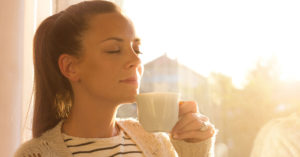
(33, 147)
(282, 126)
(42, 146)
(127, 121)
(279, 135)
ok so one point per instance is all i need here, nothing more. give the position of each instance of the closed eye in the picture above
(136, 48)
(138, 52)
(115, 51)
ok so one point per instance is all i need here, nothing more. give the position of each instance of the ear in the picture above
(68, 67)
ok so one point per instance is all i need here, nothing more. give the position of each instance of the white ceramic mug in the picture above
(158, 111)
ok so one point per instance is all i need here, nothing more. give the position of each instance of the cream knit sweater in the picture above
(51, 143)
(279, 138)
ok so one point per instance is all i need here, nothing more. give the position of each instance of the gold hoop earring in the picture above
(63, 105)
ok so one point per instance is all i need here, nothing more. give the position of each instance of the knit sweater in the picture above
(279, 138)
(51, 144)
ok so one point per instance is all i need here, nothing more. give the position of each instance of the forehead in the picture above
(108, 25)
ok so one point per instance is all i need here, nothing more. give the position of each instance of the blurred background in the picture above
(238, 60)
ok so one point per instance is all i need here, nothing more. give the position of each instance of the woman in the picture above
(86, 61)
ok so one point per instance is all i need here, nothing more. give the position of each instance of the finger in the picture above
(186, 107)
(185, 120)
(189, 118)
(195, 135)
(195, 125)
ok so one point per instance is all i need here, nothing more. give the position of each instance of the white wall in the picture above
(27, 83)
(35, 12)
(18, 21)
(11, 61)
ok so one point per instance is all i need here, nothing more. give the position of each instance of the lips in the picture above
(130, 80)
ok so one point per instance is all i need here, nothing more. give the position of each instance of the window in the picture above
(237, 59)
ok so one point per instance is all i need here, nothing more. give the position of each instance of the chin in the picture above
(129, 99)
(128, 95)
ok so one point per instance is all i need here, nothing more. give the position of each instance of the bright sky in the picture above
(222, 36)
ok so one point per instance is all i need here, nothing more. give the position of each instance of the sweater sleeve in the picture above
(185, 149)
(201, 149)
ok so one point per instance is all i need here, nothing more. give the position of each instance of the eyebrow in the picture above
(119, 39)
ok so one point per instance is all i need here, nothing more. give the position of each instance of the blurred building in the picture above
(167, 75)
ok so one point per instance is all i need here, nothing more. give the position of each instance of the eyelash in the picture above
(138, 52)
(118, 51)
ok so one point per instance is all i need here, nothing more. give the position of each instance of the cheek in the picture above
(98, 74)
(95, 65)
(91, 69)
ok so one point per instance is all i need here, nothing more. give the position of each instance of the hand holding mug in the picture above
(192, 126)
(162, 112)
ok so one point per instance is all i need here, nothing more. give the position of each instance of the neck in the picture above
(91, 120)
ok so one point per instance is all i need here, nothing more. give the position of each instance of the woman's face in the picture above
(110, 68)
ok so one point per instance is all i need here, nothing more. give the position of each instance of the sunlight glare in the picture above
(220, 36)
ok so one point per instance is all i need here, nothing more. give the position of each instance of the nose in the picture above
(134, 60)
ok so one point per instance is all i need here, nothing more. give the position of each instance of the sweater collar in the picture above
(147, 142)
(55, 140)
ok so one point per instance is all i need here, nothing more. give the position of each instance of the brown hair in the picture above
(56, 35)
